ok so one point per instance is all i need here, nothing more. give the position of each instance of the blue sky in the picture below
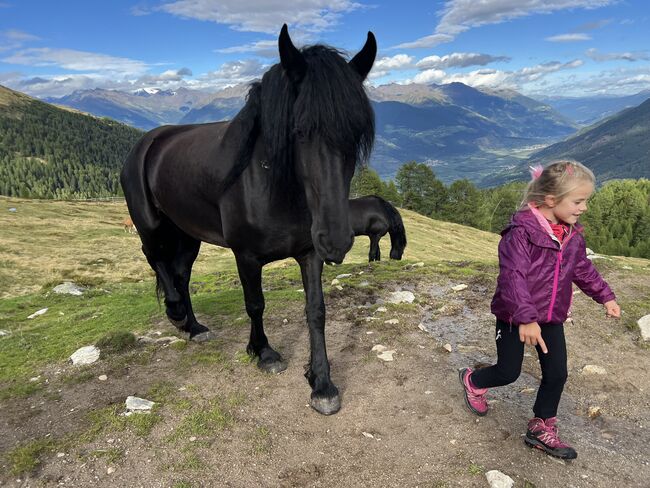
(540, 48)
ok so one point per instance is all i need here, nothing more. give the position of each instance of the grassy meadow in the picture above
(44, 243)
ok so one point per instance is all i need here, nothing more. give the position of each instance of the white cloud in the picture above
(458, 60)
(235, 72)
(266, 49)
(430, 76)
(264, 15)
(458, 16)
(577, 36)
(386, 65)
(628, 56)
(20, 36)
(76, 60)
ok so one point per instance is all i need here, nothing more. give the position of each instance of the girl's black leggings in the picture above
(510, 351)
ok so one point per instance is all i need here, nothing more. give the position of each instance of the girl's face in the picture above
(571, 206)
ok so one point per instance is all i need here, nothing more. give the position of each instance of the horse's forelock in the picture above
(330, 101)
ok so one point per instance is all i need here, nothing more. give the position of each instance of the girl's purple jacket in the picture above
(536, 272)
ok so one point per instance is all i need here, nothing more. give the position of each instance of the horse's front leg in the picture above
(250, 274)
(324, 396)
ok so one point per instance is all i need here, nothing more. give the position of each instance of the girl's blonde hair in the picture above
(557, 179)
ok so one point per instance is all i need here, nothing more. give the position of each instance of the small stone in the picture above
(378, 348)
(37, 313)
(460, 287)
(364, 283)
(35, 379)
(285, 321)
(335, 282)
(527, 391)
(401, 297)
(447, 347)
(102, 377)
(136, 404)
(4, 333)
(339, 287)
(594, 412)
(422, 327)
(497, 479)
(85, 355)
(644, 325)
(417, 265)
(68, 288)
(453, 441)
(60, 454)
(386, 355)
(593, 369)
(342, 276)
(368, 435)
(381, 309)
(192, 439)
(428, 392)
(369, 332)
(146, 340)
(391, 321)
(110, 470)
(166, 340)
(590, 252)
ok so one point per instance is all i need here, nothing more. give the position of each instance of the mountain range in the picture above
(462, 131)
(487, 136)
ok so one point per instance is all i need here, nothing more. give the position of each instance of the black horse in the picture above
(272, 183)
(373, 216)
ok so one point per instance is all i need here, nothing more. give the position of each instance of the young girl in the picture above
(541, 253)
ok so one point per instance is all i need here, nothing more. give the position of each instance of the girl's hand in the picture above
(531, 334)
(612, 309)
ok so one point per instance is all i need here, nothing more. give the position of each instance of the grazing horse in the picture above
(373, 216)
(129, 226)
(270, 184)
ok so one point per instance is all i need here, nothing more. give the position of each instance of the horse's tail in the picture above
(395, 229)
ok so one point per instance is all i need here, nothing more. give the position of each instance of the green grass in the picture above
(27, 457)
(203, 421)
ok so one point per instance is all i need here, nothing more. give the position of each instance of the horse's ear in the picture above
(363, 61)
(292, 60)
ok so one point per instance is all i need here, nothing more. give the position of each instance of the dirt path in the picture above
(403, 423)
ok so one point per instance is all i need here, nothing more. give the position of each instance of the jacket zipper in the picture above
(556, 276)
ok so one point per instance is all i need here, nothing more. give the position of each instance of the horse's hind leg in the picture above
(250, 274)
(170, 254)
(186, 253)
(375, 252)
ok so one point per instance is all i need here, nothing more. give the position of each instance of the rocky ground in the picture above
(221, 422)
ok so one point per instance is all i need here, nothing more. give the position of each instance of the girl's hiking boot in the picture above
(474, 397)
(542, 434)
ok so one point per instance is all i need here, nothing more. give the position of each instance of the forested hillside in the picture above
(48, 152)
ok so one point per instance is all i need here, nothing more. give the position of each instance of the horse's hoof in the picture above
(179, 324)
(326, 406)
(203, 336)
(273, 367)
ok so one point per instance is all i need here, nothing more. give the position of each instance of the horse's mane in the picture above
(330, 102)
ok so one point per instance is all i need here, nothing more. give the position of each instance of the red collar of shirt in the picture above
(559, 230)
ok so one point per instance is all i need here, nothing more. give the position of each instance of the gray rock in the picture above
(136, 404)
(37, 313)
(499, 480)
(460, 287)
(4, 333)
(85, 355)
(644, 325)
(401, 297)
(593, 369)
(68, 288)
(342, 276)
